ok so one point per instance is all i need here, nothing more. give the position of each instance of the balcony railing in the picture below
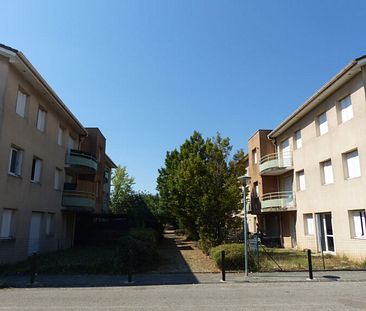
(278, 200)
(75, 200)
(276, 163)
(81, 162)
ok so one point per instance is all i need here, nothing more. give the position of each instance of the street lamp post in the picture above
(244, 180)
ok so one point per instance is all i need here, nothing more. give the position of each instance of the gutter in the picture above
(282, 127)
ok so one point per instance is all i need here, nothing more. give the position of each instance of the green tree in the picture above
(121, 190)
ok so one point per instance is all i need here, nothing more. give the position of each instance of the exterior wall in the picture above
(19, 193)
(344, 194)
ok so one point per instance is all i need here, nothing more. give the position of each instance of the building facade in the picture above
(310, 172)
(45, 176)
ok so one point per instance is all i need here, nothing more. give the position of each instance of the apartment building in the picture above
(309, 173)
(46, 178)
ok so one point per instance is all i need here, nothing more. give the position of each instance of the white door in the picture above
(34, 233)
(285, 153)
(325, 232)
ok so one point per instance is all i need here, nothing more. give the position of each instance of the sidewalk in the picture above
(180, 278)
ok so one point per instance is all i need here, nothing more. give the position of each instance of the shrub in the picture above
(234, 257)
(147, 235)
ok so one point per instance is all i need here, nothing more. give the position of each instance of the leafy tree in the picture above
(121, 190)
(198, 186)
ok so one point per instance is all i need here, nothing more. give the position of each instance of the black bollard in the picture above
(129, 272)
(223, 277)
(33, 268)
(310, 265)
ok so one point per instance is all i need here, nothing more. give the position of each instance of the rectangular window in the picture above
(36, 170)
(322, 124)
(15, 163)
(352, 162)
(255, 156)
(346, 110)
(41, 120)
(60, 136)
(5, 230)
(309, 224)
(327, 172)
(57, 181)
(298, 140)
(256, 189)
(301, 186)
(71, 144)
(21, 104)
(50, 220)
(358, 224)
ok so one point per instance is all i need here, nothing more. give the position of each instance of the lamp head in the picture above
(244, 180)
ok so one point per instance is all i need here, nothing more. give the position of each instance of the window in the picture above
(71, 144)
(352, 162)
(298, 140)
(322, 124)
(5, 229)
(57, 181)
(309, 224)
(345, 109)
(256, 189)
(255, 157)
(21, 104)
(36, 170)
(60, 136)
(327, 172)
(16, 158)
(50, 221)
(41, 120)
(301, 186)
(358, 224)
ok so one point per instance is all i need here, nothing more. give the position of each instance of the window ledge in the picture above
(36, 183)
(352, 178)
(14, 175)
(359, 238)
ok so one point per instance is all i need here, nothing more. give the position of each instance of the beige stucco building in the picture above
(309, 174)
(46, 178)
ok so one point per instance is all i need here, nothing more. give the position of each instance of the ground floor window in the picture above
(358, 224)
(309, 224)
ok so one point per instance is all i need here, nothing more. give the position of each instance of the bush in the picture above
(234, 257)
(205, 246)
(147, 235)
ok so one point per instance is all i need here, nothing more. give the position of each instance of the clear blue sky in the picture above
(149, 73)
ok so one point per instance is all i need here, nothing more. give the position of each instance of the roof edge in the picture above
(282, 126)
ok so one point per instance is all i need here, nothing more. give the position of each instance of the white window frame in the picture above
(255, 156)
(298, 139)
(323, 123)
(21, 104)
(50, 224)
(327, 172)
(18, 161)
(352, 164)
(360, 232)
(6, 224)
(57, 179)
(345, 109)
(60, 136)
(73, 141)
(36, 173)
(309, 224)
(301, 182)
(41, 119)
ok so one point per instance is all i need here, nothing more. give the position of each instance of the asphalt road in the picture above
(229, 296)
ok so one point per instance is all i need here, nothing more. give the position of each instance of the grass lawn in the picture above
(289, 259)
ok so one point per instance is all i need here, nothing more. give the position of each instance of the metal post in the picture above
(223, 277)
(310, 265)
(245, 234)
(33, 268)
(323, 259)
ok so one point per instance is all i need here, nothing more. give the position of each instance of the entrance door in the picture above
(34, 233)
(325, 232)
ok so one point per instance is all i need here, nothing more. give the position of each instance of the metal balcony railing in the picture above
(281, 199)
(279, 161)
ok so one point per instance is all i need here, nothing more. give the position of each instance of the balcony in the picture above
(276, 163)
(81, 162)
(278, 201)
(78, 201)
